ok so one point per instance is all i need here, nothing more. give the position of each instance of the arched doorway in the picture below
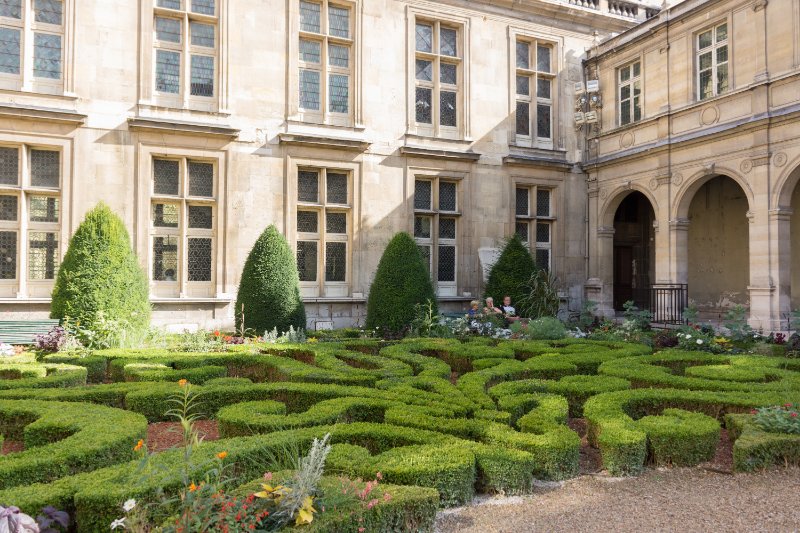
(634, 251)
(718, 247)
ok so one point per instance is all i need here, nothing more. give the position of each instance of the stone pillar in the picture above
(679, 243)
(603, 282)
(780, 267)
(663, 273)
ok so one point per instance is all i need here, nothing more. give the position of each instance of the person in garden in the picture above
(473, 312)
(490, 309)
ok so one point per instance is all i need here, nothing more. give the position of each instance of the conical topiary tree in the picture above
(269, 292)
(401, 282)
(511, 273)
(100, 276)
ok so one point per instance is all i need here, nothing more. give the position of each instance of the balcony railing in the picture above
(621, 8)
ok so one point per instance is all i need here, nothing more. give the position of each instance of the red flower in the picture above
(787, 405)
(794, 415)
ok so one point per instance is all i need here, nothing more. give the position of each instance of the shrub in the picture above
(401, 282)
(547, 328)
(510, 275)
(779, 418)
(269, 292)
(100, 280)
(541, 295)
(755, 448)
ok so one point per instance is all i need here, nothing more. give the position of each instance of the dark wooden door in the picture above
(623, 275)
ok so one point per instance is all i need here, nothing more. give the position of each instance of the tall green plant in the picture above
(511, 273)
(401, 282)
(540, 297)
(100, 281)
(269, 292)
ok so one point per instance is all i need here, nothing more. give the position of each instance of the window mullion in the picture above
(186, 67)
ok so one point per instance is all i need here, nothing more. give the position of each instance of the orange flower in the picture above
(192, 487)
(138, 445)
(182, 382)
(222, 455)
(216, 333)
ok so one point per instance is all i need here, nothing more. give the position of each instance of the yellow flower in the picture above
(306, 513)
(182, 382)
(192, 487)
(222, 455)
(138, 446)
(313, 340)
(276, 493)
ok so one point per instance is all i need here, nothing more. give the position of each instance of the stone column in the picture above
(679, 243)
(761, 244)
(603, 282)
(780, 266)
(660, 186)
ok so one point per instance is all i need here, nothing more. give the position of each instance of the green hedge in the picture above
(35, 375)
(755, 449)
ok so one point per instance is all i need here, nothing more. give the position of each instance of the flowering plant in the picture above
(779, 418)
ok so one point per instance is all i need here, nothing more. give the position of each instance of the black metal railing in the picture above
(667, 301)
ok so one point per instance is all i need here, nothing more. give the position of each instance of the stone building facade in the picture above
(693, 164)
(342, 122)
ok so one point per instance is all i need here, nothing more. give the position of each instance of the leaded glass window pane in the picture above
(43, 208)
(424, 70)
(424, 106)
(339, 21)
(9, 50)
(204, 7)
(705, 61)
(543, 259)
(422, 227)
(625, 112)
(722, 32)
(169, 30)
(202, 76)
(336, 222)
(166, 215)
(310, 51)
(310, 16)
(543, 121)
(166, 176)
(449, 112)
(449, 74)
(339, 56)
(523, 118)
(424, 38)
(706, 85)
(336, 261)
(523, 202)
(8, 207)
(637, 69)
(543, 59)
(722, 78)
(447, 263)
(199, 259)
(9, 166)
(722, 54)
(524, 85)
(170, 4)
(168, 71)
(307, 222)
(47, 56)
(201, 179)
(339, 88)
(201, 217)
(425, 252)
(307, 260)
(544, 88)
(447, 228)
(48, 11)
(11, 8)
(543, 202)
(704, 40)
(337, 188)
(45, 168)
(203, 34)
(423, 195)
(8, 255)
(447, 196)
(42, 255)
(523, 55)
(542, 233)
(309, 89)
(165, 258)
(522, 230)
(625, 73)
(308, 186)
(448, 42)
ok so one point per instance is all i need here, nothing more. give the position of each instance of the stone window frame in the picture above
(25, 81)
(294, 113)
(22, 286)
(532, 99)
(532, 219)
(446, 288)
(182, 288)
(322, 288)
(516, 34)
(713, 49)
(148, 96)
(463, 122)
(631, 81)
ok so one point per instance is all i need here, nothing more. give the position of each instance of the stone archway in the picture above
(634, 251)
(717, 259)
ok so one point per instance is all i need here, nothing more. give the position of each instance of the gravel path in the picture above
(680, 499)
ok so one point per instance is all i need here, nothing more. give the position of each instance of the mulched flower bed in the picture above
(11, 446)
(723, 460)
(165, 435)
(589, 461)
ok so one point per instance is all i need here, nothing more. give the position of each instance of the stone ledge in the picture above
(42, 114)
(154, 125)
(323, 141)
(451, 155)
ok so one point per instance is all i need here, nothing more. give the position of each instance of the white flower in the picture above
(688, 336)
(129, 505)
(699, 341)
(119, 522)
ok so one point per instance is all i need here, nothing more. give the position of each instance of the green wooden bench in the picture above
(24, 331)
